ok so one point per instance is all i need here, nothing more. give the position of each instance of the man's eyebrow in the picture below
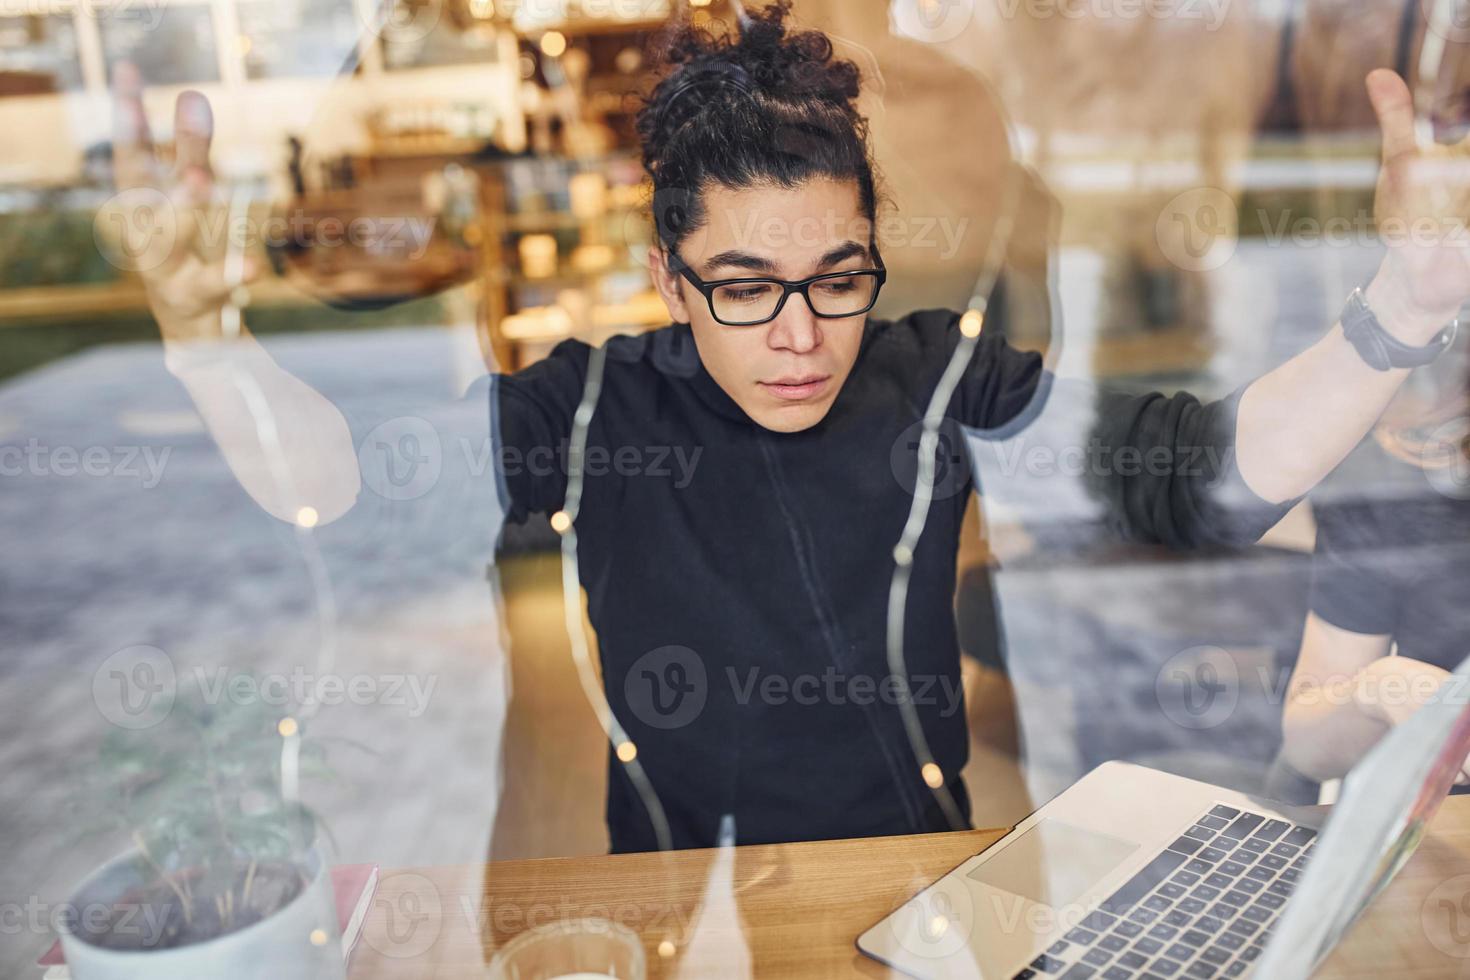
(738, 259)
(842, 253)
(755, 263)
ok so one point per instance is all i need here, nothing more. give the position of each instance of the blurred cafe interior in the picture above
(432, 191)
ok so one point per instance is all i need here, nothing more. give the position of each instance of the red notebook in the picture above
(352, 884)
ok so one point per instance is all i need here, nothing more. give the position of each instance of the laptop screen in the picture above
(1378, 821)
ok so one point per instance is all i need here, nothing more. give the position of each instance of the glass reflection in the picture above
(330, 379)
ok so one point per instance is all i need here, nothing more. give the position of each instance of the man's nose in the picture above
(796, 328)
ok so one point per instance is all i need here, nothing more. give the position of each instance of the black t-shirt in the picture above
(1394, 558)
(738, 578)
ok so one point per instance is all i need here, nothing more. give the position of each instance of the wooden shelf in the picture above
(583, 26)
(46, 302)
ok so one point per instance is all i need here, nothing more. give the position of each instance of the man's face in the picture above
(784, 374)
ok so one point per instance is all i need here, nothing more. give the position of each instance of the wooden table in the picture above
(793, 910)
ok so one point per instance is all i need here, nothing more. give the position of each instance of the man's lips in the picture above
(798, 387)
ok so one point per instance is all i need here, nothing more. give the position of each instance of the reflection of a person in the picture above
(737, 529)
(1388, 617)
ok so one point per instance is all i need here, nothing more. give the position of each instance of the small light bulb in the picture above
(561, 522)
(288, 727)
(932, 776)
(971, 323)
(553, 44)
(627, 752)
(318, 937)
(666, 949)
(306, 517)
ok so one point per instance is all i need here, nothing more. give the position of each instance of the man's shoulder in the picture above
(914, 325)
(633, 365)
(929, 336)
(668, 350)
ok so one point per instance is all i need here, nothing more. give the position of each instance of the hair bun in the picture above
(797, 64)
(766, 60)
(769, 105)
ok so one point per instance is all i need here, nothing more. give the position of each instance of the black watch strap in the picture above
(1381, 349)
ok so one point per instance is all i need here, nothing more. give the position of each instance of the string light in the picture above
(627, 752)
(903, 552)
(266, 430)
(561, 522)
(971, 323)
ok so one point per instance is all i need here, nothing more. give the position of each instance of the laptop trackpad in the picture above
(1053, 863)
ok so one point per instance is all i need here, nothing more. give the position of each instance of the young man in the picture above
(773, 557)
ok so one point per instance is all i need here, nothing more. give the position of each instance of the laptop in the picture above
(1135, 873)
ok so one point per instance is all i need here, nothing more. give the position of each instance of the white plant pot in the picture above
(300, 941)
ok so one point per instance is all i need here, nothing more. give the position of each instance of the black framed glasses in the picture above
(752, 301)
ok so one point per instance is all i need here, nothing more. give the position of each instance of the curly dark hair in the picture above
(770, 106)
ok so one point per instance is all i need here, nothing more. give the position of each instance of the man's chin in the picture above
(790, 417)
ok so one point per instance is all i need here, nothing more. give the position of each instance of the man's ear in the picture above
(667, 282)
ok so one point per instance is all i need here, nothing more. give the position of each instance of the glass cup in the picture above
(578, 949)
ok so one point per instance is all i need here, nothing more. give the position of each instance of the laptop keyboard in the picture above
(1204, 907)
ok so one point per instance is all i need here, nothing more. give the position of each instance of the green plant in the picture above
(199, 794)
